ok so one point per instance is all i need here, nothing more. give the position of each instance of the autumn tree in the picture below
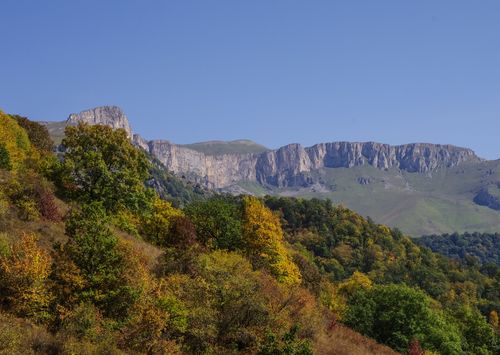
(263, 242)
(156, 225)
(24, 273)
(14, 141)
(101, 164)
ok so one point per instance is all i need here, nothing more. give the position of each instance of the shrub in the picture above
(24, 276)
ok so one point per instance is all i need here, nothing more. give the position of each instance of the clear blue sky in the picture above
(275, 71)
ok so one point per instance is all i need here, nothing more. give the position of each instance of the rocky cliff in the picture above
(287, 166)
(112, 116)
(290, 165)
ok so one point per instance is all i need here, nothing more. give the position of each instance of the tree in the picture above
(38, 134)
(4, 158)
(156, 226)
(15, 141)
(397, 314)
(218, 223)
(94, 250)
(24, 276)
(263, 240)
(101, 164)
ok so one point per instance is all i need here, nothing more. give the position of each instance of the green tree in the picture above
(479, 336)
(101, 164)
(94, 250)
(218, 222)
(38, 134)
(397, 314)
(4, 158)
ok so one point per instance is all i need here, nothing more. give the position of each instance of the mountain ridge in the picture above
(444, 187)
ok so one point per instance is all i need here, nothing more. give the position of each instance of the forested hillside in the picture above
(94, 261)
(482, 246)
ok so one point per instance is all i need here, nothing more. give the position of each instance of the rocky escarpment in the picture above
(290, 165)
(112, 116)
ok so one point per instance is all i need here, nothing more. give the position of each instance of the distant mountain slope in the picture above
(420, 188)
(240, 146)
(416, 203)
(485, 247)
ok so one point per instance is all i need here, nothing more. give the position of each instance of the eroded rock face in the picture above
(289, 165)
(112, 116)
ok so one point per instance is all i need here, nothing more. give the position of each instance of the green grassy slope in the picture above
(441, 202)
(241, 146)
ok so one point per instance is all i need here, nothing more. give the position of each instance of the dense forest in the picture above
(103, 253)
(482, 246)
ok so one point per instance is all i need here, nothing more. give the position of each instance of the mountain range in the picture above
(419, 188)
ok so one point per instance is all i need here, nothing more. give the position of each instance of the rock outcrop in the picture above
(290, 165)
(112, 116)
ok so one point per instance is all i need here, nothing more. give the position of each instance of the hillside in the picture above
(418, 188)
(485, 248)
(92, 260)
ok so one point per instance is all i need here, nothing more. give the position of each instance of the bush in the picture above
(24, 276)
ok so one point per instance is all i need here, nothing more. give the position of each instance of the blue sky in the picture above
(275, 71)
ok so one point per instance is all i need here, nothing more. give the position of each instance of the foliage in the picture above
(93, 248)
(4, 158)
(24, 274)
(33, 196)
(397, 314)
(156, 227)
(102, 165)
(288, 344)
(135, 274)
(14, 140)
(37, 133)
(483, 246)
(218, 222)
(263, 240)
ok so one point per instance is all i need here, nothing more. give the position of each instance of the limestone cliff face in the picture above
(289, 165)
(112, 116)
(418, 157)
(286, 166)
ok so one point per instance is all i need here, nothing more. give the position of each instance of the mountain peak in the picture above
(112, 116)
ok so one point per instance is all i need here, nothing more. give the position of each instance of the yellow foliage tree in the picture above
(330, 298)
(263, 239)
(15, 140)
(24, 276)
(356, 281)
(156, 227)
